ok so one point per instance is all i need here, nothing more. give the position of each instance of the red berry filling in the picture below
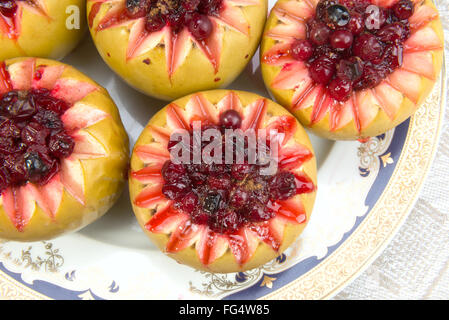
(193, 14)
(226, 197)
(32, 137)
(8, 8)
(351, 47)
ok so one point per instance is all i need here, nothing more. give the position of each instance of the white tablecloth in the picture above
(415, 265)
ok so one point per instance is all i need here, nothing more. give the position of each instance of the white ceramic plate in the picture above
(365, 193)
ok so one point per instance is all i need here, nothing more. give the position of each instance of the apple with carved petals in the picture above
(346, 75)
(63, 149)
(169, 48)
(41, 28)
(225, 216)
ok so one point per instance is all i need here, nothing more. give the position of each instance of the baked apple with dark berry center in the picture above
(195, 211)
(352, 68)
(157, 45)
(40, 28)
(62, 146)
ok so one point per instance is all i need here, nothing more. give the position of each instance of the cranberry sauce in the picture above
(178, 14)
(8, 8)
(227, 196)
(32, 137)
(352, 45)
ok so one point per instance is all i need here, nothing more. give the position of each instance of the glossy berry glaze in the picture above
(8, 8)
(177, 14)
(349, 48)
(226, 197)
(32, 136)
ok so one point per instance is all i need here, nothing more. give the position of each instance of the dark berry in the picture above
(340, 89)
(319, 33)
(322, 70)
(368, 47)
(403, 9)
(230, 119)
(341, 39)
(8, 8)
(301, 49)
(350, 69)
(200, 26)
(337, 16)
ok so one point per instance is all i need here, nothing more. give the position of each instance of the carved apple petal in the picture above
(46, 76)
(279, 55)
(420, 62)
(423, 15)
(176, 119)
(288, 32)
(20, 205)
(305, 95)
(267, 234)
(49, 196)
(367, 107)
(254, 115)
(340, 115)
(72, 90)
(322, 105)
(161, 135)
(200, 109)
(166, 220)
(152, 153)
(151, 196)
(211, 47)
(423, 40)
(138, 36)
(114, 17)
(87, 146)
(292, 210)
(141, 41)
(35, 6)
(291, 76)
(293, 157)
(147, 175)
(285, 125)
(230, 102)
(5, 80)
(243, 245)
(185, 235)
(233, 17)
(21, 74)
(82, 116)
(96, 6)
(299, 11)
(12, 27)
(177, 48)
(210, 246)
(408, 83)
(390, 99)
(72, 177)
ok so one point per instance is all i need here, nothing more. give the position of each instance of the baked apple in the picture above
(171, 48)
(228, 214)
(40, 28)
(63, 149)
(351, 69)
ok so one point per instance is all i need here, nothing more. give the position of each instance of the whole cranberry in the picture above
(322, 70)
(230, 119)
(319, 33)
(302, 49)
(200, 26)
(340, 89)
(61, 145)
(403, 9)
(189, 202)
(136, 8)
(154, 24)
(341, 39)
(392, 32)
(350, 69)
(368, 47)
(356, 24)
